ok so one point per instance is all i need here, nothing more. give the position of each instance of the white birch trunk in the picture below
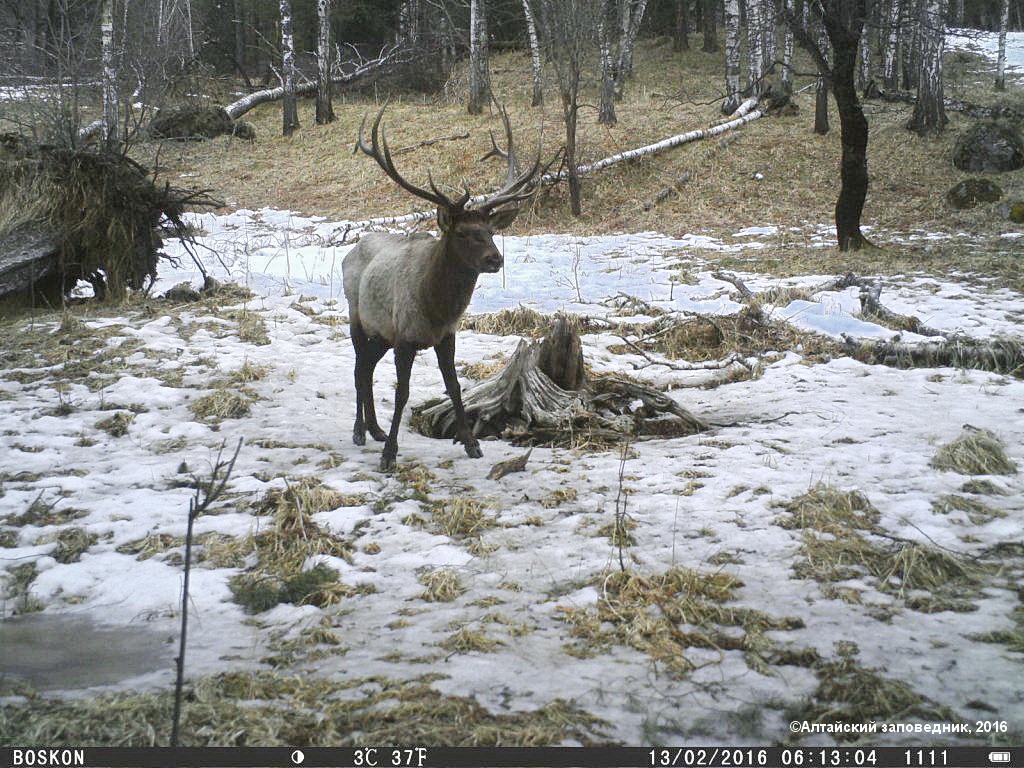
(929, 110)
(606, 107)
(769, 26)
(1004, 20)
(864, 52)
(732, 56)
(632, 17)
(324, 108)
(479, 72)
(535, 60)
(755, 47)
(821, 87)
(787, 50)
(111, 128)
(890, 61)
(290, 110)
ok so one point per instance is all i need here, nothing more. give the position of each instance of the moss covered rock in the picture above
(970, 192)
(1016, 214)
(989, 146)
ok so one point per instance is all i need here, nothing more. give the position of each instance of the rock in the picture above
(989, 147)
(244, 130)
(182, 293)
(192, 122)
(969, 192)
(1016, 214)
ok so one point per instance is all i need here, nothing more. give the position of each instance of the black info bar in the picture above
(526, 757)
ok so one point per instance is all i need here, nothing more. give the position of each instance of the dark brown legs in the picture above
(368, 354)
(446, 362)
(404, 355)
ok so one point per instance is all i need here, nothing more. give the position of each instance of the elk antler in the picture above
(378, 149)
(515, 182)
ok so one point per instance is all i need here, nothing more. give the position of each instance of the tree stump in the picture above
(544, 396)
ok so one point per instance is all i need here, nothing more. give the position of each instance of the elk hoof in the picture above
(378, 434)
(387, 463)
(474, 452)
(359, 438)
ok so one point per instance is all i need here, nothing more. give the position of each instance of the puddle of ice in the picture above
(55, 652)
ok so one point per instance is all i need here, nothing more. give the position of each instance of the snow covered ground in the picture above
(987, 44)
(711, 503)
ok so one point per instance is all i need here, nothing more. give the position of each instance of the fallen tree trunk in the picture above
(238, 108)
(523, 403)
(1000, 356)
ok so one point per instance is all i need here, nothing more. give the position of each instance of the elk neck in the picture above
(449, 284)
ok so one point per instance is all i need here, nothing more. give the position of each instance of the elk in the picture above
(408, 292)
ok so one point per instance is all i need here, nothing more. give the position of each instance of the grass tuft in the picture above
(975, 452)
(442, 585)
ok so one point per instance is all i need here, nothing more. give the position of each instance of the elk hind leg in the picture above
(404, 356)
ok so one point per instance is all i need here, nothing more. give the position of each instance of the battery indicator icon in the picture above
(999, 757)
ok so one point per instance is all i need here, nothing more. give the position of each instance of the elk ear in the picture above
(444, 219)
(502, 219)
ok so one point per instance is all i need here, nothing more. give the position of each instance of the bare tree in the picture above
(708, 9)
(1004, 20)
(732, 56)
(606, 29)
(681, 38)
(569, 29)
(843, 21)
(324, 109)
(109, 55)
(755, 47)
(929, 114)
(290, 109)
(479, 70)
(535, 59)
(890, 57)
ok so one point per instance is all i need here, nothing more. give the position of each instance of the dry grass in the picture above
(664, 615)
(223, 403)
(975, 452)
(848, 693)
(842, 540)
(670, 94)
(272, 709)
(461, 517)
(442, 585)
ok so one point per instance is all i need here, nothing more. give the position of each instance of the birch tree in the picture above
(535, 59)
(821, 125)
(324, 108)
(890, 56)
(631, 15)
(111, 128)
(864, 61)
(1004, 20)
(606, 30)
(929, 114)
(787, 50)
(755, 47)
(732, 56)
(290, 108)
(479, 71)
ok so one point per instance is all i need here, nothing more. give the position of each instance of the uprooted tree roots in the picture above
(543, 396)
(67, 214)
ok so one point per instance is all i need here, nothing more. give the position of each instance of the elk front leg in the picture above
(445, 350)
(404, 355)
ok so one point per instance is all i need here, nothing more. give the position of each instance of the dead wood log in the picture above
(1004, 356)
(523, 403)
